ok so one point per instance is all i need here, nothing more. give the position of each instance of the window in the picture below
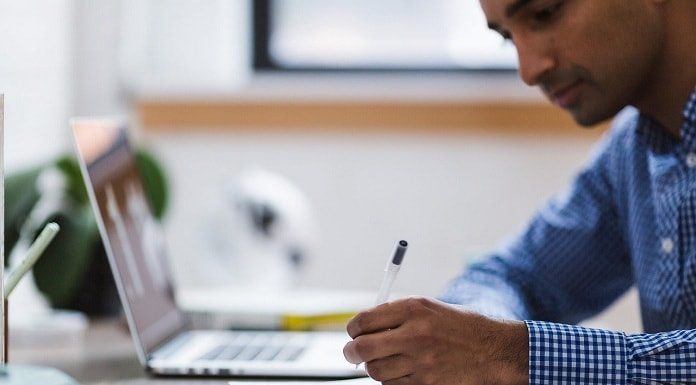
(376, 35)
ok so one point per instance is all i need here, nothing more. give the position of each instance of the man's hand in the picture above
(421, 341)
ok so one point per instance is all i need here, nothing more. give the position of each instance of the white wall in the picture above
(451, 196)
(184, 46)
(35, 74)
(97, 87)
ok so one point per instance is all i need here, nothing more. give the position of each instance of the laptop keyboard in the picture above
(251, 346)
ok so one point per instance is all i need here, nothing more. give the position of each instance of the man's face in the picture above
(590, 57)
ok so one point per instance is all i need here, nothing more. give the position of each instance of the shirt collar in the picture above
(654, 136)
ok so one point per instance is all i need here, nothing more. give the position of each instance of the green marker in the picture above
(37, 248)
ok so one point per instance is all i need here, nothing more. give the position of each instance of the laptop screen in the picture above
(130, 233)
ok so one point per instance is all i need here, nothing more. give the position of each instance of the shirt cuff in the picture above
(663, 358)
(566, 354)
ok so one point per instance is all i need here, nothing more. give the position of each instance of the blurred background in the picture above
(398, 119)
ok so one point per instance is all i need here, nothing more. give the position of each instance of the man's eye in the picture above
(547, 14)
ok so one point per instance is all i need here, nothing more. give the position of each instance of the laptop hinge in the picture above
(169, 345)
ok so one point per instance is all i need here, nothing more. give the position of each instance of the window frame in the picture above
(262, 61)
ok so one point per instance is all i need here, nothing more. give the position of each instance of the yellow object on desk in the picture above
(300, 322)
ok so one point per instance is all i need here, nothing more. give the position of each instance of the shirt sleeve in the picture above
(566, 354)
(569, 263)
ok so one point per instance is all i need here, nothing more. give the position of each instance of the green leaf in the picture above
(60, 271)
(20, 197)
(154, 183)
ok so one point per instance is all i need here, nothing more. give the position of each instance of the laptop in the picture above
(134, 243)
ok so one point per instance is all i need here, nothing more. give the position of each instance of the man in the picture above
(629, 218)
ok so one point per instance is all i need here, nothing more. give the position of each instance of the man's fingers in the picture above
(390, 368)
(369, 347)
(382, 317)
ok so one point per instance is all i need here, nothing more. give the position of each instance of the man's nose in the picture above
(535, 60)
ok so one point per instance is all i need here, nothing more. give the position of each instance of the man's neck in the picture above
(665, 95)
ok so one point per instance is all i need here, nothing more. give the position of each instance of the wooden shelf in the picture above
(358, 117)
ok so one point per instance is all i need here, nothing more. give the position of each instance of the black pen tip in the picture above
(399, 252)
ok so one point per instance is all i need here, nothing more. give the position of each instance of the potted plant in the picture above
(73, 273)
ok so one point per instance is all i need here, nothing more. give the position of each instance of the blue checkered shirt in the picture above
(628, 218)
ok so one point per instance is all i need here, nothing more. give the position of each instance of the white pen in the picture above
(393, 266)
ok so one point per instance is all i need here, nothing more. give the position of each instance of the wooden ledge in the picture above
(358, 116)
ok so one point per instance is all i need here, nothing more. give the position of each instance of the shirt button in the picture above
(691, 160)
(667, 245)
